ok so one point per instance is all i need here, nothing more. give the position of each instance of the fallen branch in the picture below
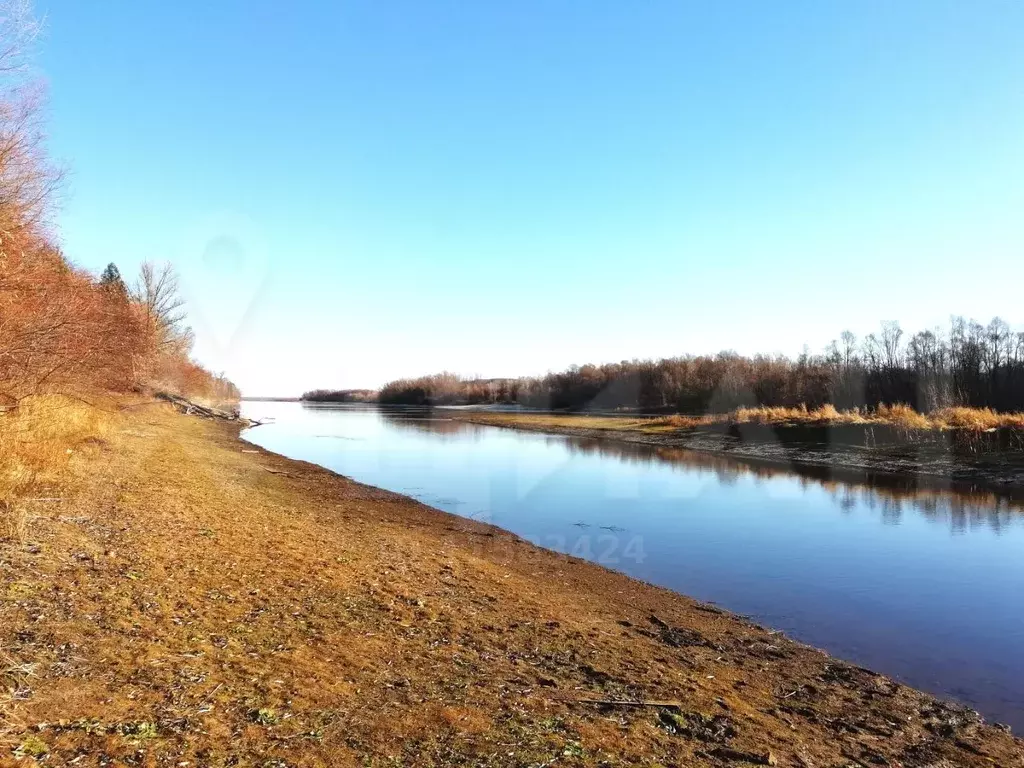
(727, 753)
(276, 471)
(187, 407)
(656, 703)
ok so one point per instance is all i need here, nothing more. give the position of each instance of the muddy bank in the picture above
(195, 600)
(880, 455)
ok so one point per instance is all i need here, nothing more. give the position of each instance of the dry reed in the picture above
(898, 415)
(37, 441)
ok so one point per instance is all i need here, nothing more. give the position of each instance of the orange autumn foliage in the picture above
(61, 329)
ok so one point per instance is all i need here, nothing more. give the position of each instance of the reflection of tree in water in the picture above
(889, 495)
(892, 510)
(728, 475)
(963, 515)
(415, 419)
(638, 454)
(962, 512)
(847, 498)
(430, 421)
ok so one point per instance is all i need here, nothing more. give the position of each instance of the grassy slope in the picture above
(185, 606)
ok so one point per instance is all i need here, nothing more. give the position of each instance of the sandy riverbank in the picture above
(193, 600)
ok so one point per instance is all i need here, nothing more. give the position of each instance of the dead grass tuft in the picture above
(898, 415)
(977, 418)
(37, 441)
(904, 416)
(682, 421)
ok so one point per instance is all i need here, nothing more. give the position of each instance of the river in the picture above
(926, 587)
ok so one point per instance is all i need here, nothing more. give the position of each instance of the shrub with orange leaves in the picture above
(61, 330)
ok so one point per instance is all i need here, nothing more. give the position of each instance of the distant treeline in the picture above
(340, 395)
(970, 364)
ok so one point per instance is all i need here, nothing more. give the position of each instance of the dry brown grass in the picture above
(904, 416)
(38, 440)
(799, 415)
(186, 606)
(681, 421)
(977, 418)
(898, 415)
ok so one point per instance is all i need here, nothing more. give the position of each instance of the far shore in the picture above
(956, 459)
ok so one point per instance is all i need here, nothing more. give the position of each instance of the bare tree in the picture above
(891, 336)
(19, 29)
(849, 349)
(871, 352)
(28, 180)
(1000, 339)
(157, 291)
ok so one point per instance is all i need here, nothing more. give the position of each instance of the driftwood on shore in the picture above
(188, 407)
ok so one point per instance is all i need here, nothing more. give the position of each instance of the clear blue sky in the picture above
(499, 188)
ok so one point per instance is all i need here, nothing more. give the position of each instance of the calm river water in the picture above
(925, 587)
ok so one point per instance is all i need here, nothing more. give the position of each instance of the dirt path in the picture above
(194, 601)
